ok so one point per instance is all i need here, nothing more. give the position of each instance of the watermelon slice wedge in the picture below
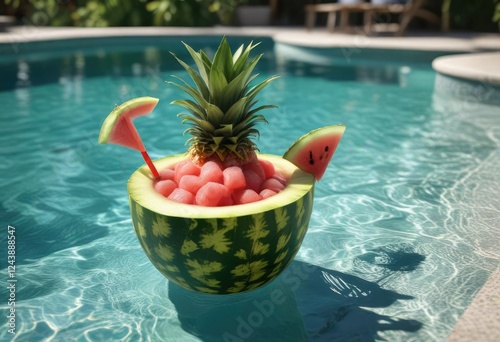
(118, 128)
(313, 151)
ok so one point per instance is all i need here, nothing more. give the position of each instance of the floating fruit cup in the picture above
(225, 249)
(244, 239)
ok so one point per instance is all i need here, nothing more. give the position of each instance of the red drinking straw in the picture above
(150, 164)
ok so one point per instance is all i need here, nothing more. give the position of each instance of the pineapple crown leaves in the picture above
(221, 113)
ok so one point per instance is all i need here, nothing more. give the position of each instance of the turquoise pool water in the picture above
(403, 234)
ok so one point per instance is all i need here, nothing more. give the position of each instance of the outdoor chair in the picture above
(371, 11)
(416, 8)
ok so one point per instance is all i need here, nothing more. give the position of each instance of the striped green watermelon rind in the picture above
(222, 250)
(313, 151)
(117, 128)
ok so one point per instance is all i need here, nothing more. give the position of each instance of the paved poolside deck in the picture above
(297, 36)
(481, 321)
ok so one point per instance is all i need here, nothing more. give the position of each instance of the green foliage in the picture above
(496, 15)
(473, 15)
(224, 9)
(181, 12)
(255, 2)
(101, 13)
(98, 13)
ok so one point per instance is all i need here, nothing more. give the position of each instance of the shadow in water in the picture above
(305, 303)
(389, 261)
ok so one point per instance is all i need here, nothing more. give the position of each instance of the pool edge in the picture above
(481, 319)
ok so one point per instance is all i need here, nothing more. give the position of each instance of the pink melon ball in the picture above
(165, 187)
(280, 178)
(181, 196)
(167, 174)
(191, 183)
(257, 168)
(273, 184)
(268, 168)
(179, 165)
(234, 178)
(211, 172)
(210, 194)
(187, 168)
(226, 201)
(253, 180)
(266, 193)
(246, 196)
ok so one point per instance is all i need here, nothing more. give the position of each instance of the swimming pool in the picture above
(401, 238)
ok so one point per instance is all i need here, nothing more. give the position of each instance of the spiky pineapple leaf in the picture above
(197, 110)
(238, 86)
(198, 80)
(237, 53)
(258, 109)
(240, 63)
(205, 125)
(218, 84)
(224, 130)
(217, 140)
(256, 89)
(215, 114)
(191, 91)
(223, 59)
(249, 122)
(198, 59)
(207, 63)
(232, 148)
(235, 111)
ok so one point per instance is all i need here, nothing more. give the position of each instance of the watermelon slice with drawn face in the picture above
(313, 151)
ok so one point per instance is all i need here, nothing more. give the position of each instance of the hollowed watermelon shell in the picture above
(224, 249)
(313, 151)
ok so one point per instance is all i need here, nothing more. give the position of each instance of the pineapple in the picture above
(223, 113)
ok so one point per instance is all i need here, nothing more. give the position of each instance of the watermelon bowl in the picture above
(222, 250)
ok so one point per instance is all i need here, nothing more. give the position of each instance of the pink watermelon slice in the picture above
(118, 128)
(313, 151)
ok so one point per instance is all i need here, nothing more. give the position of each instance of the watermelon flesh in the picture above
(313, 151)
(215, 185)
(118, 127)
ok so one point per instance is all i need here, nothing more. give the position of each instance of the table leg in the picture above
(344, 19)
(310, 19)
(332, 17)
(368, 21)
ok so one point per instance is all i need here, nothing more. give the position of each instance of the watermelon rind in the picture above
(300, 146)
(222, 250)
(113, 117)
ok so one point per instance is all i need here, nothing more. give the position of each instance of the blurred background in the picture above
(464, 15)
